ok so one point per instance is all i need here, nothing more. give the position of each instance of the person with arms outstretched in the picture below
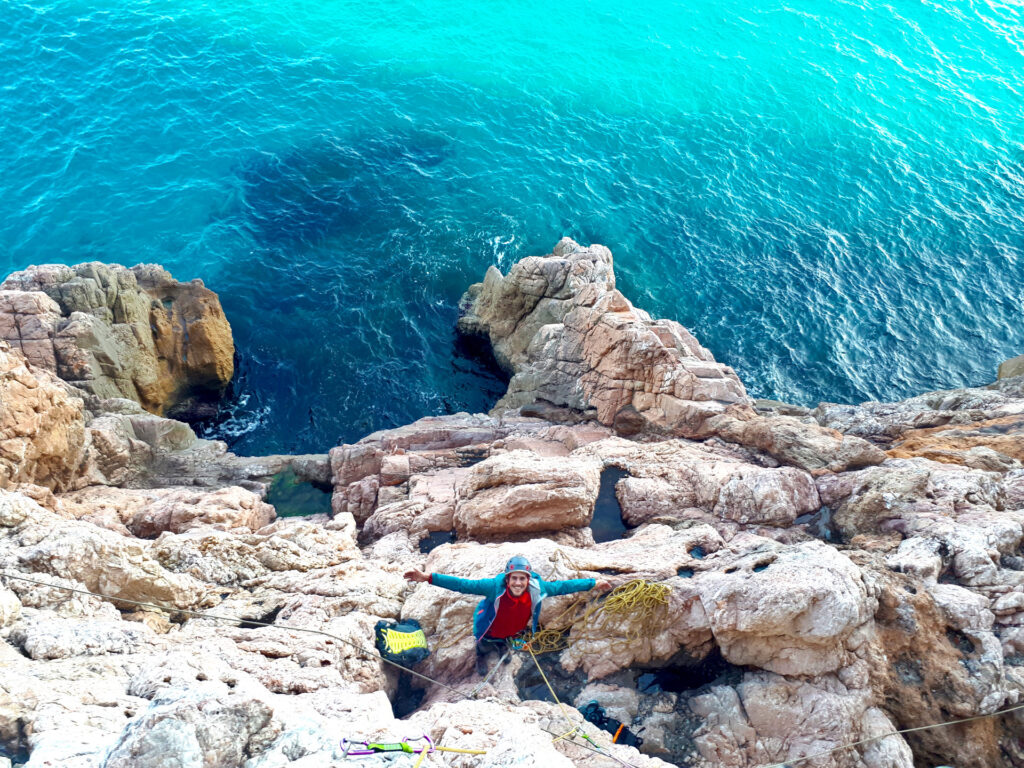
(512, 600)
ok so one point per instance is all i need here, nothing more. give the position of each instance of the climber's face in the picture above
(517, 583)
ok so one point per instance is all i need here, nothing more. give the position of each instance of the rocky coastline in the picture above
(833, 574)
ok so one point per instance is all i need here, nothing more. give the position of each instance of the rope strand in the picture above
(356, 646)
(233, 620)
(794, 761)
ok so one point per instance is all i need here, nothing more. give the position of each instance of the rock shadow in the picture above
(607, 524)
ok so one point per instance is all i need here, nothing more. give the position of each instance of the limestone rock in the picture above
(570, 339)
(10, 607)
(229, 558)
(182, 510)
(769, 719)
(389, 458)
(102, 560)
(523, 735)
(966, 610)
(886, 423)
(558, 324)
(671, 479)
(538, 291)
(795, 442)
(908, 613)
(147, 513)
(64, 638)
(965, 673)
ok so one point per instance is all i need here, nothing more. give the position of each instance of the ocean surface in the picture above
(829, 194)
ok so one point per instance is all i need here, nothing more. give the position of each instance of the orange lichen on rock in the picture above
(954, 444)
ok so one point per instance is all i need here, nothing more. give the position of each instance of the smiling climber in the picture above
(511, 600)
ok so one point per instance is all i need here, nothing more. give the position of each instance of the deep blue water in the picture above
(828, 195)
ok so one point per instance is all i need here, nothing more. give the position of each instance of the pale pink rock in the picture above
(148, 512)
(181, 510)
(558, 324)
(792, 441)
(570, 339)
(520, 492)
(786, 609)
(537, 291)
(768, 719)
(916, 613)
(101, 560)
(669, 478)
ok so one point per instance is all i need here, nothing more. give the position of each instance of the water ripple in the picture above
(829, 196)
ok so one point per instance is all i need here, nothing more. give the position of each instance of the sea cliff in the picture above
(830, 575)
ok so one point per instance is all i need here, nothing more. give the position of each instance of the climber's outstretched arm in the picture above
(454, 583)
(568, 586)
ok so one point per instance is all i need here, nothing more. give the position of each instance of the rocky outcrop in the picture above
(557, 324)
(42, 427)
(197, 729)
(115, 332)
(520, 492)
(816, 578)
(40, 541)
(148, 513)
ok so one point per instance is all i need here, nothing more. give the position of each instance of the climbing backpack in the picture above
(594, 713)
(402, 642)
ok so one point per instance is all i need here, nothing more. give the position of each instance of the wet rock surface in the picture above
(819, 577)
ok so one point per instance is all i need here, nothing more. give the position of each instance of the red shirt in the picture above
(512, 616)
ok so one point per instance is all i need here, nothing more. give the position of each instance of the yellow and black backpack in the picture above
(402, 642)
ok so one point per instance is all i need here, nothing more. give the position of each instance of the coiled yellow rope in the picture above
(638, 606)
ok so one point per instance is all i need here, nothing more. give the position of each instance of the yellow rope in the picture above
(639, 605)
(423, 756)
(649, 601)
(575, 728)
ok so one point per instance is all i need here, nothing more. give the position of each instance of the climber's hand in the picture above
(416, 575)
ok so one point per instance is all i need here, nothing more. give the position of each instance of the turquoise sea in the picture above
(829, 194)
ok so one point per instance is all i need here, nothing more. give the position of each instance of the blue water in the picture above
(828, 194)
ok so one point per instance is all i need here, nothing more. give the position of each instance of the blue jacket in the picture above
(492, 590)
